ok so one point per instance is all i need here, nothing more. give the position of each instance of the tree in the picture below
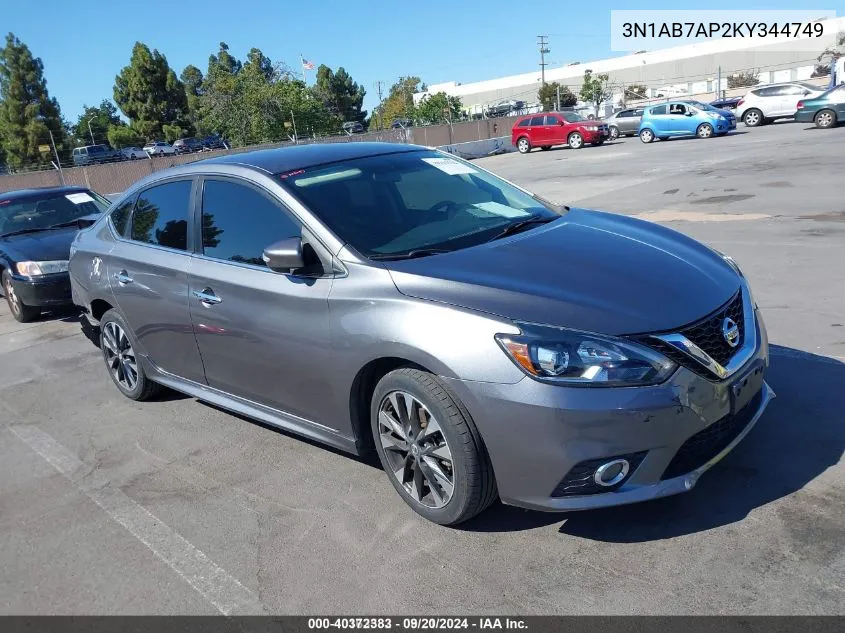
(101, 118)
(148, 92)
(438, 108)
(121, 136)
(548, 96)
(27, 113)
(340, 94)
(399, 103)
(192, 79)
(596, 90)
(743, 79)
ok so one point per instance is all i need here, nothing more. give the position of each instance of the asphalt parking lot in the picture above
(110, 506)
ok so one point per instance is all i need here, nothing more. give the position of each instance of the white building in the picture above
(692, 69)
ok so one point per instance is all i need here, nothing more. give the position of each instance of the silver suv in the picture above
(775, 101)
(483, 341)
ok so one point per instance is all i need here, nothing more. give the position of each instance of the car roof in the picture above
(284, 159)
(37, 191)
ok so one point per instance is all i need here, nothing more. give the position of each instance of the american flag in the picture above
(307, 65)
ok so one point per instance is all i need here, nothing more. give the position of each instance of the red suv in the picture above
(557, 128)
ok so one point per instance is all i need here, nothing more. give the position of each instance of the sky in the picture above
(85, 43)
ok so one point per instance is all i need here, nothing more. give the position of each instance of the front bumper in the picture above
(535, 433)
(598, 135)
(46, 291)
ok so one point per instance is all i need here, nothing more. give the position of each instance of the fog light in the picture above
(611, 473)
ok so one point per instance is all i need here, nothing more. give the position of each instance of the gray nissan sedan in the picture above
(485, 342)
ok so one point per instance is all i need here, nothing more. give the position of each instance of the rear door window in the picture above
(161, 215)
(552, 119)
(537, 120)
(525, 123)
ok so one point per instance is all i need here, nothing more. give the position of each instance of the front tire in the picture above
(575, 140)
(121, 362)
(429, 447)
(825, 119)
(753, 117)
(646, 135)
(22, 312)
(523, 145)
(705, 130)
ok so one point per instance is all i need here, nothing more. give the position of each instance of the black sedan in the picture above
(37, 227)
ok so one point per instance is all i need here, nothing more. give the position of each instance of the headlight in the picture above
(714, 115)
(34, 269)
(581, 359)
(592, 128)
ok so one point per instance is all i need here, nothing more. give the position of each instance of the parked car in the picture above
(94, 154)
(774, 101)
(728, 103)
(401, 123)
(36, 229)
(466, 333)
(547, 129)
(825, 110)
(187, 145)
(159, 148)
(214, 142)
(684, 118)
(353, 127)
(133, 153)
(624, 122)
(504, 108)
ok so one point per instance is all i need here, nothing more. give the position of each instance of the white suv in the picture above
(774, 101)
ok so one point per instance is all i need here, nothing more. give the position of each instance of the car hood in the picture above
(589, 271)
(40, 247)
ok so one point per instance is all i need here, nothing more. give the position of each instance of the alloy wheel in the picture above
(120, 357)
(523, 146)
(575, 140)
(14, 301)
(705, 130)
(614, 132)
(646, 136)
(824, 119)
(415, 449)
(752, 118)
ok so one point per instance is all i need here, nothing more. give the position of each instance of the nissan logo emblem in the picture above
(730, 330)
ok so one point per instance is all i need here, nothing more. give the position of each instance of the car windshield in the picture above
(409, 202)
(574, 116)
(47, 210)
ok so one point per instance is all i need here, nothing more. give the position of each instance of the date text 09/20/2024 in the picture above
(417, 623)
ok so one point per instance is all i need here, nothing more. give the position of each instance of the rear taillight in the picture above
(800, 105)
(740, 102)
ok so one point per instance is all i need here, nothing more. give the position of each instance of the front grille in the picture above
(579, 480)
(706, 444)
(707, 334)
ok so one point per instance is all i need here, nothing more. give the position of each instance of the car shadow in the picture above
(695, 138)
(798, 437)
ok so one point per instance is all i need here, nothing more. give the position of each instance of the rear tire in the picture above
(22, 312)
(454, 448)
(753, 118)
(523, 145)
(825, 119)
(646, 135)
(118, 347)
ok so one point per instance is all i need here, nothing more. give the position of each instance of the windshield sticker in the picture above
(79, 198)
(291, 173)
(449, 166)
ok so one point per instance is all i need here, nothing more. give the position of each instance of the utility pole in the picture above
(558, 98)
(58, 162)
(719, 83)
(544, 48)
(380, 113)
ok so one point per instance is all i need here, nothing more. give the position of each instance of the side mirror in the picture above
(284, 256)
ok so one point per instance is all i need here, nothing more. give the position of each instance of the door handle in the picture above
(207, 297)
(123, 278)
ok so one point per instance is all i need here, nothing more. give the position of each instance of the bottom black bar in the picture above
(529, 624)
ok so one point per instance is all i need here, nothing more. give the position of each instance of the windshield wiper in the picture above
(64, 224)
(412, 254)
(34, 229)
(516, 227)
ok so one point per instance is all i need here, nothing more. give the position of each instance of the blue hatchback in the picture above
(684, 118)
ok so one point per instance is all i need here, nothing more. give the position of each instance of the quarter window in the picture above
(120, 216)
(551, 119)
(161, 215)
(238, 222)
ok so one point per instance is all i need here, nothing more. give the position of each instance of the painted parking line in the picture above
(217, 586)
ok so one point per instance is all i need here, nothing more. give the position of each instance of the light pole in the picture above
(93, 142)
